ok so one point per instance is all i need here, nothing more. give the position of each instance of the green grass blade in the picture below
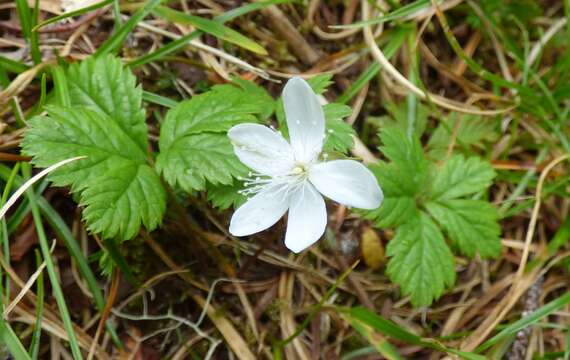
(117, 14)
(391, 48)
(72, 13)
(63, 232)
(180, 43)
(399, 13)
(211, 27)
(54, 280)
(380, 344)
(112, 248)
(116, 40)
(159, 100)
(386, 327)
(527, 320)
(35, 343)
(12, 66)
(60, 86)
(560, 238)
(247, 8)
(4, 238)
(10, 339)
(25, 16)
(34, 36)
(24, 209)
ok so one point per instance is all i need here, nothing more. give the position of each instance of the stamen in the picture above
(280, 186)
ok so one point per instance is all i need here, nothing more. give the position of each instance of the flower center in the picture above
(300, 169)
(282, 185)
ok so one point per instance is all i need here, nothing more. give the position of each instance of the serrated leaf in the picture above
(407, 158)
(421, 262)
(214, 111)
(104, 85)
(471, 131)
(226, 196)
(118, 188)
(192, 160)
(194, 148)
(320, 83)
(399, 116)
(263, 100)
(393, 212)
(460, 176)
(399, 203)
(470, 224)
(339, 134)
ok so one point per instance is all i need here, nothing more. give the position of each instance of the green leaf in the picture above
(226, 196)
(192, 160)
(421, 262)
(460, 177)
(339, 134)
(402, 180)
(320, 83)
(470, 224)
(407, 157)
(118, 188)
(194, 147)
(263, 100)
(104, 85)
(399, 203)
(398, 116)
(472, 131)
(214, 111)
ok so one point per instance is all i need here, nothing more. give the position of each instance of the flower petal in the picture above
(262, 149)
(305, 119)
(258, 213)
(347, 182)
(307, 218)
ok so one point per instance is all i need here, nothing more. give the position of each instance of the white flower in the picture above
(290, 176)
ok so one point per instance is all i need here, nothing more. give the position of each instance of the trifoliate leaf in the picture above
(115, 184)
(460, 176)
(102, 84)
(225, 196)
(194, 147)
(421, 262)
(339, 134)
(470, 224)
(399, 203)
(471, 131)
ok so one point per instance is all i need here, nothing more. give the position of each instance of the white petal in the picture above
(347, 182)
(307, 218)
(258, 213)
(262, 149)
(305, 119)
